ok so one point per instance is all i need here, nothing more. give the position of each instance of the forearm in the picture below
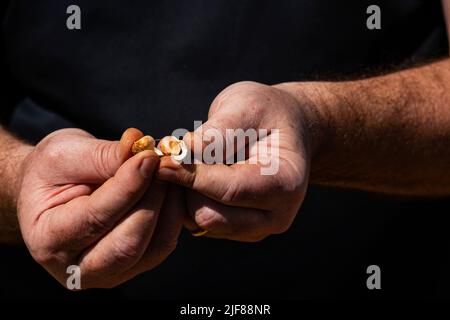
(12, 154)
(387, 134)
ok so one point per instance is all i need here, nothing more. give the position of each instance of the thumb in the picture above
(108, 156)
(236, 185)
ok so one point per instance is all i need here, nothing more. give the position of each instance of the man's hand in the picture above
(387, 134)
(85, 202)
(237, 202)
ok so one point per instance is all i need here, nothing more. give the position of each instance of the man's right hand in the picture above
(87, 202)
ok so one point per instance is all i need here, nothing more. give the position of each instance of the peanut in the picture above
(145, 143)
(168, 146)
(171, 146)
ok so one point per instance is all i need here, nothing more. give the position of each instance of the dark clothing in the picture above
(157, 65)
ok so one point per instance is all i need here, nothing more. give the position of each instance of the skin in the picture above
(80, 200)
(388, 134)
(86, 202)
(237, 202)
(324, 139)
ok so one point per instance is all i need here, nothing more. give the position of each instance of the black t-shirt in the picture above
(157, 65)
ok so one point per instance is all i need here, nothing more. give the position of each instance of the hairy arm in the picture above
(12, 154)
(387, 134)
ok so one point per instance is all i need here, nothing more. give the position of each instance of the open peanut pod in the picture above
(167, 146)
(144, 143)
(171, 146)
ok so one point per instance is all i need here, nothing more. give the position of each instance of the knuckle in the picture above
(95, 224)
(233, 193)
(101, 270)
(245, 85)
(126, 251)
(240, 190)
(103, 153)
(241, 88)
(237, 191)
(51, 149)
(48, 141)
(188, 179)
(207, 219)
(46, 246)
(281, 225)
(44, 256)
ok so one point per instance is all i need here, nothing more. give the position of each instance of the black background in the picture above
(170, 58)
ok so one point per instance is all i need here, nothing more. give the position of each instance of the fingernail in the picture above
(166, 174)
(147, 167)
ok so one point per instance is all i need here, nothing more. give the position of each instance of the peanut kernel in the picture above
(145, 143)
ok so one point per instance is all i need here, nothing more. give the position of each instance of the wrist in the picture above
(314, 100)
(18, 161)
(15, 154)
